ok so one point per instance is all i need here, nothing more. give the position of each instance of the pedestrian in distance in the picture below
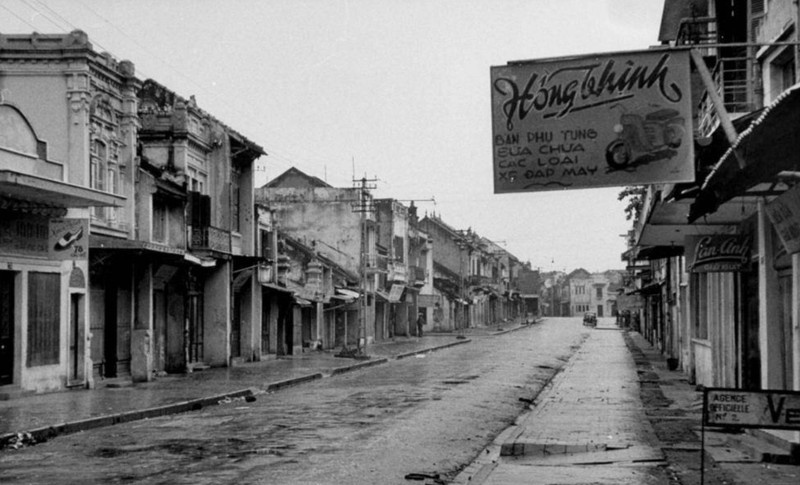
(420, 324)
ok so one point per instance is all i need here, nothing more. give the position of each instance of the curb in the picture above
(341, 370)
(274, 386)
(45, 433)
(432, 349)
(48, 432)
(503, 445)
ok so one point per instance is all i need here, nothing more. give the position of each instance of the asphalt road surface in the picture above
(427, 415)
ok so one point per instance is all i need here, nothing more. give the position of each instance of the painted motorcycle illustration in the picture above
(640, 140)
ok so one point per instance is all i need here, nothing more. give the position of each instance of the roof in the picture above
(165, 98)
(676, 10)
(295, 178)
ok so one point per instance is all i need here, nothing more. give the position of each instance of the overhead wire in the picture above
(5, 7)
(275, 155)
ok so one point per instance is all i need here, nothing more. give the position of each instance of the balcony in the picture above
(732, 72)
(397, 273)
(476, 280)
(209, 239)
(416, 276)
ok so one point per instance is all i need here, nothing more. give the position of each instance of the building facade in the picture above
(61, 103)
(153, 203)
(720, 286)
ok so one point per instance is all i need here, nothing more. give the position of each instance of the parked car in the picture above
(589, 319)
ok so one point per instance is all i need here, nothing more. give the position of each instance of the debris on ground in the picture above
(20, 440)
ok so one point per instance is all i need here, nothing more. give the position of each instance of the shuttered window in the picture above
(44, 290)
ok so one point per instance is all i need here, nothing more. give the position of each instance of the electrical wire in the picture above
(276, 156)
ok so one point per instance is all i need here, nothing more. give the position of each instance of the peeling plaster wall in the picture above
(324, 215)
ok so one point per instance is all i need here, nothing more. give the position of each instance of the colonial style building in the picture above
(132, 205)
(339, 224)
(67, 170)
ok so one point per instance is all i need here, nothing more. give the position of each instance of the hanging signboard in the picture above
(56, 239)
(714, 254)
(784, 212)
(631, 303)
(396, 292)
(592, 121)
(428, 301)
(69, 238)
(751, 409)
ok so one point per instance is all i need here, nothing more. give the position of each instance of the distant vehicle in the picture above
(589, 319)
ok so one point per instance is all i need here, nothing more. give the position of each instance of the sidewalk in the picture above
(674, 407)
(615, 414)
(586, 426)
(34, 418)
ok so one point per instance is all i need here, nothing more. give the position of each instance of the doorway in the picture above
(749, 350)
(6, 327)
(195, 303)
(110, 328)
(75, 335)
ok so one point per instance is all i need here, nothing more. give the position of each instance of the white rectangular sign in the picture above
(752, 409)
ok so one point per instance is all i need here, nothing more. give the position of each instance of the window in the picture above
(44, 318)
(113, 187)
(599, 292)
(235, 206)
(398, 249)
(104, 175)
(266, 244)
(197, 180)
(159, 221)
(781, 73)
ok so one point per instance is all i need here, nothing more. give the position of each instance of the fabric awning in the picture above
(768, 146)
(302, 301)
(275, 287)
(658, 252)
(200, 260)
(347, 293)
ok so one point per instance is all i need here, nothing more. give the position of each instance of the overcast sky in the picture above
(393, 90)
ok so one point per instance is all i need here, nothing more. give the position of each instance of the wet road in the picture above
(429, 414)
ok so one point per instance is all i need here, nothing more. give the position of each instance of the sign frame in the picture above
(775, 410)
(598, 120)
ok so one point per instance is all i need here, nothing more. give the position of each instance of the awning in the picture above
(200, 261)
(658, 252)
(275, 287)
(107, 246)
(45, 192)
(347, 293)
(769, 146)
(650, 289)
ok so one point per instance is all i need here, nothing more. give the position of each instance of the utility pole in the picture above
(363, 206)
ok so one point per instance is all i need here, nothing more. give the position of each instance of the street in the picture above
(428, 415)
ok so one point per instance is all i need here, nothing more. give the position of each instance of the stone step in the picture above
(7, 393)
(771, 446)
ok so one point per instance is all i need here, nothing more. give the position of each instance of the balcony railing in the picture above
(416, 275)
(732, 73)
(476, 280)
(210, 238)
